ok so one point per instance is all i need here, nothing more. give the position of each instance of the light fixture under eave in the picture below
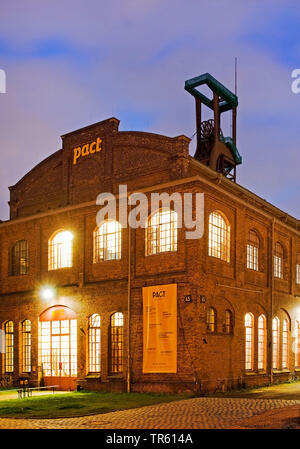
(47, 293)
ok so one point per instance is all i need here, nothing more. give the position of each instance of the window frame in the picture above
(219, 242)
(55, 251)
(262, 343)
(94, 344)
(17, 254)
(249, 342)
(278, 271)
(9, 346)
(98, 236)
(26, 346)
(275, 360)
(211, 320)
(117, 343)
(253, 250)
(154, 233)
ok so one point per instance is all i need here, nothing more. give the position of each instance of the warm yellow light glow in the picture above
(47, 293)
(61, 250)
(249, 328)
(262, 339)
(219, 237)
(161, 233)
(58, 348)
(275, 330)
(107, 241)
(94, 343)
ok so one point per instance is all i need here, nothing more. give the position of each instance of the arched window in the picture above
(116, 342)
(275, 332)
(219, 237)
(211, 319)
(262, 342)
(285, 344)
(228, 322)
(278, 261)
(107, 241)
(161, 232)
(297, 345)
(9, 346)
(252, 250)
(19, 259)
(26, 346)
(94, 343)
(298, 268)
(249, 331)
(61, 250)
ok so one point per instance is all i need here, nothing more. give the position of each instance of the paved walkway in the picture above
(197, 413)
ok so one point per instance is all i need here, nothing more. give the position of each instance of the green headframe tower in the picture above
(213, 149)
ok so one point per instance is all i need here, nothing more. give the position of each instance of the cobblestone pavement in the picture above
(197, 413)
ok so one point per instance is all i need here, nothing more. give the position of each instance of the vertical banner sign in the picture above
(160, 329)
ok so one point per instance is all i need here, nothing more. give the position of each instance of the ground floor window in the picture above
(116, 342)
(275, 330)
(26, 346)
(94, 344)
(262, 340)
(9, 346)
(249, 330)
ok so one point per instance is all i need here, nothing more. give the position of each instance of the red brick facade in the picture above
(58, 194)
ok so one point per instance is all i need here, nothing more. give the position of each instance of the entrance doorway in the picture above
(58, 347)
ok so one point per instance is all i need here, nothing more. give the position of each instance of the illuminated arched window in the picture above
(262, 342)
(219, 237)
(285, 344)
(107, 241)
(228, 322)
(252, 250)
(161, 232)
(249, 333)
(278, 261)
(94, 343)
(9, 346)
(211, 319)
(297, 344)
(275, 349)
(116, 342)
(298, 268)
(26, 346)
(61, 250)
(19, 262)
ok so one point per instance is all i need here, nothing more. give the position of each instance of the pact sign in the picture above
(89, 148)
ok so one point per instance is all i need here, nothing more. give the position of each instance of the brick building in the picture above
(71, 292)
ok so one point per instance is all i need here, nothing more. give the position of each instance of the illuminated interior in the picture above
(9, 346)
(278, 259)
(26, 346)
(249, 329)
(58, 347)
(275, 330)
(262, 340)
(211, 319)
(285, 344)
(252, 251)
(94, 343)
(117, 342)
(161, 233)
(298, 269)
(219, 237)
(107, 241)
(61, 250)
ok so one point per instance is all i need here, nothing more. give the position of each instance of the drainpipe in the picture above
(271, 268)
(128, 310)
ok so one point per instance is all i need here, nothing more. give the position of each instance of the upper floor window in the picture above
(278, 261)
(19, 258)
(275, 350)
(285, 344)
(107, 241)
(26, 346)
(298, 268)
(9, 346)
(161, 232)
(262, 342)
(219, 237)
(249, 333)
(252, 250)
(211, 319)
(94, 343)
(116, 342)
(61, 250)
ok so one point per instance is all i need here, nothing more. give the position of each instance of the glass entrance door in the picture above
(58, 352)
